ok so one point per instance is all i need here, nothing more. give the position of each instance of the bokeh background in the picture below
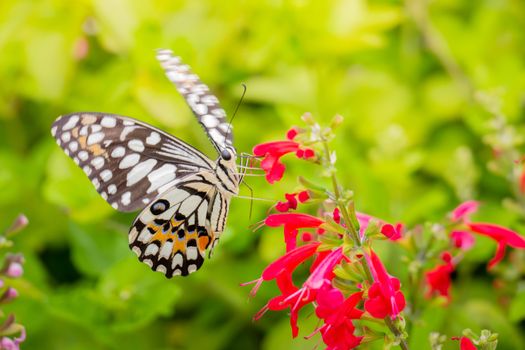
(428, 90)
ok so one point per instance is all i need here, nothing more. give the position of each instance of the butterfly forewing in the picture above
(202, 102)
(128, 162)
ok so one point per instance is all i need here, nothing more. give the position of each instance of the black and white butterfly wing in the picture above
(173, 233)
(202, 102)
(129, 162)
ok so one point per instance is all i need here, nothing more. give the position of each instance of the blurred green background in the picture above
(407, 76)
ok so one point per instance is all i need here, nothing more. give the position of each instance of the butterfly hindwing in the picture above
(172, 234)
(129, 162)
(202, 102)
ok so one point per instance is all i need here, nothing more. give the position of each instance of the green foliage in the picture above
(412, 146)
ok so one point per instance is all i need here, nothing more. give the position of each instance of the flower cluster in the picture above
(461, 235)
(347, 283)
(11, 333)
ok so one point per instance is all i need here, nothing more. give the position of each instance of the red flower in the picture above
(462, 239)
(503, 236)
(337, 215)
(384, 296)
(291, 201)
(338, 313)
(273, 151)
(438, 279)
(465, 343)
(292, 222)
(392, 232)
(292, 297)
(303, 196)
(463, 211)
(292, 133)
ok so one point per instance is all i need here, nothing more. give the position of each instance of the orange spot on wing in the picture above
(203, 243)
(74, 132)
(97, 150)
(82, 141)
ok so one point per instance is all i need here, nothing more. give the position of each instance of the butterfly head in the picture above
(228, 156)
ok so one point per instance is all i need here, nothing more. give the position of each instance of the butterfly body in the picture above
(183, 195)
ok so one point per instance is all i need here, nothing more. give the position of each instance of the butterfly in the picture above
(183, 195)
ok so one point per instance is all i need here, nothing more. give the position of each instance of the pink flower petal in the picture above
(463, 210)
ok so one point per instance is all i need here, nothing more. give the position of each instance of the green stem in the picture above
(354, 234)
(390, 324)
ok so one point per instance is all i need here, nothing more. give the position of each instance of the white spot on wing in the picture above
(201, 109)
(96, 183)
(192, 268)
(95, 128)
(97, 162)
(127, 130)
(112, 189)
(118, 152)
(161, 268)
(83, 155)
(136, 145)
(153, 138)
(126, 198)
(66, 136)
(144, 236)
(140, 171)
(95, 138)
(176, 261)
(133, 233)
(73, 146)
(129, 161)
(161, 176)
(165, 251)
(106, 175)
(152, 249)
(136, 250)
(209, 121)
(72, 121)
(191, 253)
(108, 122)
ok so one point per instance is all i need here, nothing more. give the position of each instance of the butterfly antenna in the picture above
(236, 109)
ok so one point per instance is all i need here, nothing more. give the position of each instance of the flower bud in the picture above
(9, 295)
(20, 222)
(308, 119)
(336, 121)
(14, 270)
